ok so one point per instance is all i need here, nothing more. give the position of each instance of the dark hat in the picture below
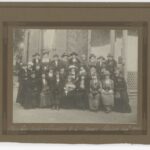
(33, 55)
(106, 73)
(73, 67)
(101, 57)
(45, 52)
(64, 54)
(74, 53)
(92, 55)
(24, 65)
(109, 55)
(55, 55)
(36, 54)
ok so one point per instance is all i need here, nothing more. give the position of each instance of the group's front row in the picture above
(74, 88)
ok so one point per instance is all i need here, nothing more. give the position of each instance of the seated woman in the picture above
(121, 95)
(107, 92)
(69, 93)
(94, 95)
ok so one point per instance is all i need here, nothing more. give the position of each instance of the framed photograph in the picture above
(75, 72)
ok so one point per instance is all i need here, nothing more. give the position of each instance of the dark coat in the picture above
(121, 95)
(111, 66)
(36, 62)
(23, 86)
(56, 66)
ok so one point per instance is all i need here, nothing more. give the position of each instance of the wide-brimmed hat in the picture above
(56, 55)
(45, 52)
(73, 67)
(106, 73)
(92, 55)
(30, 63)
(73, 53)
(64, 54)
(36, 54)
(109, 55)
(101, 57)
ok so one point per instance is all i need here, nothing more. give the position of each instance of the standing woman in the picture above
(94, 95)
(44, 100)
(23, 85)
(107, 92)
(82, 90)
(121, 95)
(57, 91)
(50, 80)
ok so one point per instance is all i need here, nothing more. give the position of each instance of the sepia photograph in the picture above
(75, 75)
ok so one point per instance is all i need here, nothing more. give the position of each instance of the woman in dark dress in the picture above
(57, 90)
(121, 95)
(23, 85)
(33, 94)
(69, 93)
(50, 80)
(82, 90)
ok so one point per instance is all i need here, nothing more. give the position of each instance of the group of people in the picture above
(71, 82)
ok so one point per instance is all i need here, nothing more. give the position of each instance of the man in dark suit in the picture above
(64, 59)
(111, 65)
(99, 65)
(56, 63)
(36, 60)
(74, 59)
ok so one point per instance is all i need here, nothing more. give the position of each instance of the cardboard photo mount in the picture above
(74, 15)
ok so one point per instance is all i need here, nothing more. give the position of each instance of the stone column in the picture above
(89, 44)
(112, 42)
(124, 51)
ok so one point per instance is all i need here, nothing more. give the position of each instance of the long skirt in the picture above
(45, 99)
(107, 99)
(19, 94)
(94, 101)
(82, 99)
(122, 102)
(69, 100)
(31, 100)
(22, 94)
